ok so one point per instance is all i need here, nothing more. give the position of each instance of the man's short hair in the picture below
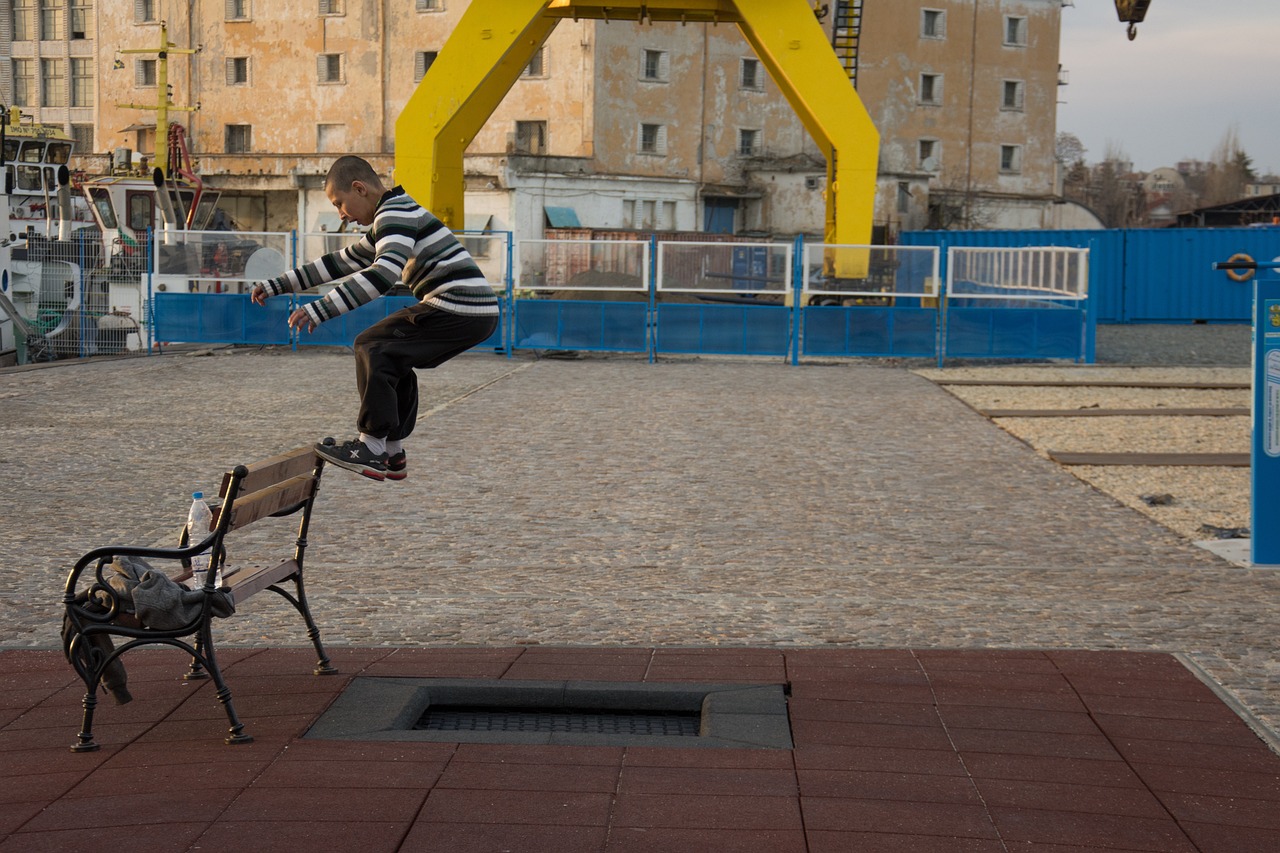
(348, 169)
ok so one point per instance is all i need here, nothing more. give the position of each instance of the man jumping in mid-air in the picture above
(456, 309)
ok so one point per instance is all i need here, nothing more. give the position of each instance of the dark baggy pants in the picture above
(419, 336)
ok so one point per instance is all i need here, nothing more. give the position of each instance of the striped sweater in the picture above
(406, 243)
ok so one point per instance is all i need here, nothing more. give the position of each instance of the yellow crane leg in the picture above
(792, 45)
(478, 65)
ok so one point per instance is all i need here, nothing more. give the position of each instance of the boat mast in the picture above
(164, 101)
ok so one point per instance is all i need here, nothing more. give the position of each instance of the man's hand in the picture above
(300, 320)
(259, 294)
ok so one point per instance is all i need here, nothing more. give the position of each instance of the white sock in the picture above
(377, 445)
(394, 446)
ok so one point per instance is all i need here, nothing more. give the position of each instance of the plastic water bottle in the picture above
(199, 520)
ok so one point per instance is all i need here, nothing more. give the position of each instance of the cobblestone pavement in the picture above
(609, 501)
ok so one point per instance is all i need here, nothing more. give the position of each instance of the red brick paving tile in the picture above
(874, 842)
(1253, 759)
(1059, 796)
(289, 836)
(283, 684)
(8, 715)
(256, 705)
(341, 805)
(1018, 720)
(1222, 783)
(869, 734)
(490, 838)
(166, 775)
(1032, 682)
(1224, 811)
(927, 761)
(915, 694)
(937, 661)
(863, 676)
(1033, 847)
(648, 840)
(1153, 664)
(662, 756)
(1210, 838)
(730, 657)
(1160, 709)
(530, 777)
(553, 671)
(1091, 746)
(21, 699)
(159, 838)
(887, 713)
(156, 806)
(1055, 827)
(852, 657)
(735, 781)
(264, 730)
(15, 814)
(591, 656)
(348, 661)
(145, 753)
(714, 673)
(871, 785)
(897, 817)
(302, 773)
(1189, 688)
(62, 737)
(506, 753)
(357, 750)
(1040, 768)
(706, 811)
(558, 808)
(990, 697)
(1228, 732)
(36, 786)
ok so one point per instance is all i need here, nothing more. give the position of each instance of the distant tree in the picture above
(1114, 195)
(1229, 170)
(1068, 149)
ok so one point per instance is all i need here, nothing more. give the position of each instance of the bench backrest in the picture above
(280, 484)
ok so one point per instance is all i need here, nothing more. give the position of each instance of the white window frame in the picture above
(756, 83)
(751, 135)
(657, 147)
(1010, 159)
(1018, 90)
(226, 138)
(1015, 31)
(245, 13)
(325, 69)
(663, 70)
(233, 66)
(934, 86)
(428, 6)
(928, 148)
(543, 131)
(939, 17)
(140, 74)
(539, 57)
(144, 12)
(80, 86)
(331, 8)
(53, 86)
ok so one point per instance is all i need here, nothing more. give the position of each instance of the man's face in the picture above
(356, 204)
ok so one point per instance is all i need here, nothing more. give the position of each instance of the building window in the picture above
(24, 20)
(929, 150)
(331, 138)
(1011, 158)
(144, 11)
(52, 18)
(931, 89)
(237, 70)
(748, 142)
(24, 82)
(1014, 91)
(1015, 31)
(81, 82)
(933, 24)
(238, 10)
(531, 137)
(330, 7)
(655, 65)
(53, 83)
(329, 68)
(537, 66)
(82, 135)
(422, 60)
(239, 138)
(430, 5)
(144, 72)
(81, 19)
(750, 76)
(653, 139)
(904, 197)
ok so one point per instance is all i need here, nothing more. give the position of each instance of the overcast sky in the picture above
(1196, 69)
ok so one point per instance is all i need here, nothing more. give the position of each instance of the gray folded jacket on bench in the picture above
(159, 601)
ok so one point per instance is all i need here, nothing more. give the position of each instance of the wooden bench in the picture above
(96, 611)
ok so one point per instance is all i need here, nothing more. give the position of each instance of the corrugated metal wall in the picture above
(1145, 275)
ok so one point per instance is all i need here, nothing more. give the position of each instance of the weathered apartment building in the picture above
(614, 125)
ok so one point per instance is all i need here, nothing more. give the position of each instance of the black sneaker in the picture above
(397, 464)
(355, 455)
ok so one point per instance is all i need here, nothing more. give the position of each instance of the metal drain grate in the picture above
(462, 718)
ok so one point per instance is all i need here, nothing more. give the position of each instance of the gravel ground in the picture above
(1200, 496)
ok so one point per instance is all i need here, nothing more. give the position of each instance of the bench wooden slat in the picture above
(246, 582)
(272, 470)
(268, 501)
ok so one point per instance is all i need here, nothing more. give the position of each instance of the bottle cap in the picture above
(197, 495)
